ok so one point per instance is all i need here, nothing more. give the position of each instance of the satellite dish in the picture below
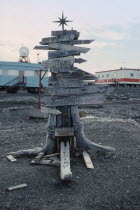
(24, 51)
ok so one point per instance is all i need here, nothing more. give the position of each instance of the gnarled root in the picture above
(49, 147)
(84, 144)
(27, 152)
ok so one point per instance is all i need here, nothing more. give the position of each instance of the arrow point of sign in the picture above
(80, 60)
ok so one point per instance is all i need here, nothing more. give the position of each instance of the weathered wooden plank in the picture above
(41, 48)
(16, 187)
(11, 158)
(79, 60)
(76, 83)
(58, 62)
(87, 75)
(65, 32)
(65, 172)
(52, 161)
(73, 73)
(61, 53)
(60, 91)
(37, 158)
(64, 132)
(87, 160)
(50, 111)
(51, 155)
(63, 38)
(74, 100)
(72, 42)
(50, 40)
(63, 70)
(58, 46)
(69, 76)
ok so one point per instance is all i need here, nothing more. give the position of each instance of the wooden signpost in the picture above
(67, 90)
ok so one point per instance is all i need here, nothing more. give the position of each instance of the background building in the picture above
(20, 74)
(121, 77)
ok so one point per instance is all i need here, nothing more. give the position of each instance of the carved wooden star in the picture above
(62, 21)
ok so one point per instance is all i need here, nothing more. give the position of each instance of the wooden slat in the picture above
(16, 187)
(74, 100)
(51, 155)
(79, 60)
(58, 62)
(57, 46)
(70, 76)
(63, 38)
(64, 32)
(87, 160)
(11, 158)
(76, 83)
(64, 132)
(62, 53)
(72, 42)
(41, 48)
(52, 161)
(63, 70)
(65, 172)
(60, 91)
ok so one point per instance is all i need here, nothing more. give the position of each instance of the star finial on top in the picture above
(62, 21)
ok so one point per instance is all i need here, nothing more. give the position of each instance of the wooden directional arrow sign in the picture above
(79, 60)
(77, 83)
(41, 48)
(58, 63)
(62, 53)
(63, 70)
(63, 38)
(65, 32)
(58, 46)
(92, 89)
(74, 100)
(72, 42)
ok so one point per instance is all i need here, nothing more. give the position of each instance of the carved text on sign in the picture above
(63, 38)
(58, 63)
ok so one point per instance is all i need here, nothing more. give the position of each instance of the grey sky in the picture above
(114, 24)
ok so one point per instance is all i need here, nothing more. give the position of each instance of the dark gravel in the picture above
(113, 184)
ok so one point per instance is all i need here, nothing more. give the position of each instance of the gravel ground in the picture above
(113, 184)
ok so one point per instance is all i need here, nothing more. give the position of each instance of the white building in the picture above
(122, 76)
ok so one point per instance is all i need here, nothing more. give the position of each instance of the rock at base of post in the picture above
(37, 113)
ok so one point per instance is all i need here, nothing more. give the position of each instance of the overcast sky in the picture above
(114, 24)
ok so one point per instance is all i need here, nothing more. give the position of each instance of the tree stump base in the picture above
(62, 141)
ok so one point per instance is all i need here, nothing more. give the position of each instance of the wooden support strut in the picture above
(65, 172)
